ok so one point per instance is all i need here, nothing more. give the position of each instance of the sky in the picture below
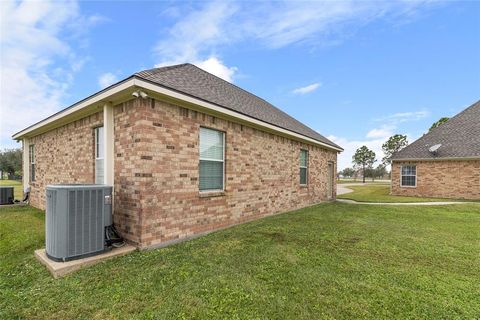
(355, 71)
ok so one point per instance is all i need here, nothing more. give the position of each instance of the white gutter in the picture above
(76, 107)
(234, 114)
(437, 159)
(133, 81)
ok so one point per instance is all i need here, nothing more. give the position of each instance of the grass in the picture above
(17, 187)
(328, 261)
(381, 193)
(369, 181)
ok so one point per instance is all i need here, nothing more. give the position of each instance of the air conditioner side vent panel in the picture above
(75, 220)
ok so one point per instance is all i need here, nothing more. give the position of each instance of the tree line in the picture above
(364, 158)
(11, 164)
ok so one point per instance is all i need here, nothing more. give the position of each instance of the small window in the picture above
(409, 176)
(303, 167)
(99, 161)
(31, 157)
(212, 164)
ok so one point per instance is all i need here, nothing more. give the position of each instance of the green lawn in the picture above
(369, 181)
(329, 261)
(381, 193)
(17, 190)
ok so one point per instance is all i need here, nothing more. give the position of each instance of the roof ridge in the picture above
(231, 84)
(162, 69)
(449, 121)
(252, 94)
(255, 106)
(443, 134)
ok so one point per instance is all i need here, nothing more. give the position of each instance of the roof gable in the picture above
(186, 82)
(459, 137)
(193, 81)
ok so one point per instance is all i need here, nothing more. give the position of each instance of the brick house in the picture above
(443, 163)
(186, 153)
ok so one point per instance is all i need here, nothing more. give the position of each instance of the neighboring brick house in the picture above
(444, 163)
(186, 152)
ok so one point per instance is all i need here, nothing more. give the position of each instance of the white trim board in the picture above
(401, 175)
(26, 164)
(221, 110)
(96, 98)
(437, 159)
(131, 83)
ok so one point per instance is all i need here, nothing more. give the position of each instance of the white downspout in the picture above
(26, 164)
(108, 124)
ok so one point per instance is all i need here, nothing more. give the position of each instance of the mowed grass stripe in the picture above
(327, 261)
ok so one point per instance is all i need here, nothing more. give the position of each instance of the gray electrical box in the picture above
(76, 218)
(6, 195)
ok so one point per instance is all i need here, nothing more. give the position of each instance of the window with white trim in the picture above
(212, 156)
(408, 176)
(31, 160)
(99, 156)
(303, 167)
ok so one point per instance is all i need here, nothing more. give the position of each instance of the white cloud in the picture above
(107, 79)
(382, 132)
(218, 68)
(200, 30)
(400, 117)
(196, 32)
(307, 89)
(375, 137)
(350, 146)
(212, 64)
(191, 39)
(37, 63)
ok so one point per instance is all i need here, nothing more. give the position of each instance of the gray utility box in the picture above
(6, 195)
(76, 218)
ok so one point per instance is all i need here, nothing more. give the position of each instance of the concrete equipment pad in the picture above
(60, 269)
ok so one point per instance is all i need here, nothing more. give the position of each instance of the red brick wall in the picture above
(156, 171)
(129, 189)
(64, 155)
(441, 179)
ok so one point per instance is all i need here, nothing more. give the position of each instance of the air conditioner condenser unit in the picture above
(77, 218)
(6, 195)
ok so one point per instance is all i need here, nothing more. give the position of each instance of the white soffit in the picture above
(103, 96)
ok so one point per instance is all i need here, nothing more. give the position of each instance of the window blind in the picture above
(409, 176)
(211, 159)
(303, 166)
(32, 162)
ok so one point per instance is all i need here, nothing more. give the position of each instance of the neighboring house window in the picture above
(409, 176)
(212, 164)
(99, 150)
(303, 166)
(31, 157)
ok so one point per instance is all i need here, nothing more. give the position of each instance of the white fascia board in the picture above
(437, 159)
(133, 81)
(210, 106)
(102, 95)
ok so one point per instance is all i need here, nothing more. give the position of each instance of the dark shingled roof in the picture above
(459, 136)
(193, 81)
